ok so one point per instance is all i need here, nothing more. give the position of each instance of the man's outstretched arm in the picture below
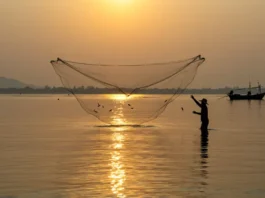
(195, 112)
(196, 101)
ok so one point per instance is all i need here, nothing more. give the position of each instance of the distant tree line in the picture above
(95, 90)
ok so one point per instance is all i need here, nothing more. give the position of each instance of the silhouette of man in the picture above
(231, 93)
(203, 113)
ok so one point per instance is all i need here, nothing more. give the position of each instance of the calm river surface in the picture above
(51, 148)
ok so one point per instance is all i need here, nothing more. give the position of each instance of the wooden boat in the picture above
(258, 96)
(248, 96)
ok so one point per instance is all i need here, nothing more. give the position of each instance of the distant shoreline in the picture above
(92, 90)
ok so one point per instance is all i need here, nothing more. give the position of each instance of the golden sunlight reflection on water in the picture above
(118, 97)
(118, 116)
(124, 109)
(117, 172)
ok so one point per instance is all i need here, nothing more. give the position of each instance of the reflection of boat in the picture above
(248, 96)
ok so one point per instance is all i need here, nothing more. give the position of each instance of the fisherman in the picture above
(231, 93)
(203, 113)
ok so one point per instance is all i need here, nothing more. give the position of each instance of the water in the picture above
(51, 148)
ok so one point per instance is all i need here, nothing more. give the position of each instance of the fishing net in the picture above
(126, 94)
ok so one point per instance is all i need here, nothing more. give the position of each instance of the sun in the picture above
(123, 1)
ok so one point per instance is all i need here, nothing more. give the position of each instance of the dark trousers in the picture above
(204, 126)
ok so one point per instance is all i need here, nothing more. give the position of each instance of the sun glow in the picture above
(119, 5)
(124, 2)
(118, 97)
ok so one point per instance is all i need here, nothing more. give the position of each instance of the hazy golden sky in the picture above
(229, 33)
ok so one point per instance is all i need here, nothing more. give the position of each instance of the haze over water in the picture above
(52, 148)
(229, 34)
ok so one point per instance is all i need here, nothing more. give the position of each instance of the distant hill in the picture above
(11, 83)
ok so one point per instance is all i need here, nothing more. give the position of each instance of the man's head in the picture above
(204, 101)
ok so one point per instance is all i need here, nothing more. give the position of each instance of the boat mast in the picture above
(259, 86)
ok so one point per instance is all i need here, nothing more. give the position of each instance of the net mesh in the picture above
(129, 87)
